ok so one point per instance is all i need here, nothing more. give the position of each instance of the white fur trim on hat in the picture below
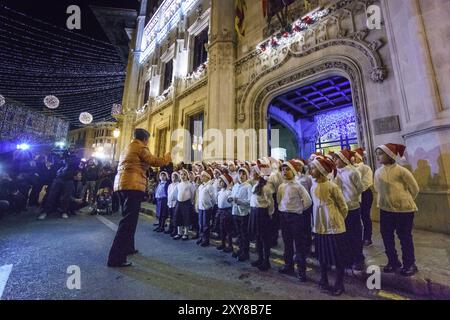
(206, 174)
(319, 167)
(388, 151)
(343, 158)
(291, 167)
(246, 171)
(225, 180)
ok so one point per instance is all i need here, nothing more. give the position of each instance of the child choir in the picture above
(327, 199)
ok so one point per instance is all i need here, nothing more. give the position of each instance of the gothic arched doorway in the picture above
(319, 116)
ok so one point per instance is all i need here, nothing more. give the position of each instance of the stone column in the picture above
(220, 111)
(130, 101)
(418, 40)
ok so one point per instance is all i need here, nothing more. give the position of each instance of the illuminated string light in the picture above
(80, 71)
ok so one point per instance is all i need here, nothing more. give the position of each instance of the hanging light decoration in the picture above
(2, 100)
(86, 118)
(51, 102)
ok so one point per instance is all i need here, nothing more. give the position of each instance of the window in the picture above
(161, 142)
(196, 132)
(200, 53)
(147, 91)
(168, 72)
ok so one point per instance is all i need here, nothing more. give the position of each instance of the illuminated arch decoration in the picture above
(2, 100)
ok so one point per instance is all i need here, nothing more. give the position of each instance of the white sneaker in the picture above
(42, 216)
(64, 216)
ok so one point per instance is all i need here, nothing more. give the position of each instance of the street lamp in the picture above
(116, 134)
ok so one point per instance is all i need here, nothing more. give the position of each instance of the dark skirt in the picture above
(333, 249)
(259, 224)
(183, 212)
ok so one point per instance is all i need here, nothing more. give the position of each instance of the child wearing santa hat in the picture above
(349, 180)
(224, 214)
(261, 210)
(293, 200)
(397, 190)
(195, 211)
(240, 198)
(162, 211)
(305, 180)
(329, 213)
(367, 196)
(206, 202)
(215, 221)
(184, 207)
(172, 202)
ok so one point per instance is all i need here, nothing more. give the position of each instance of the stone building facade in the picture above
(386, 61)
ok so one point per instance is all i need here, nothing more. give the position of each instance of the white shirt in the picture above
(235, 177)
(172, 195)
(397, 189)
(349, 180)
(265, 200)
(329, 210)
(293, 197)
(222, 199)
(366, 175)
(185, 191)
(243, 193)
(206, 196)
(276, 180)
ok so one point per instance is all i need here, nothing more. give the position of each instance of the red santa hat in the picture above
(315, 155)
(217, 170)
(246, 170)
(227, 179)
(185, 171)
(325, 166)
(300, 161)
(293, 165)
(263, 170)
(393, 150)
(345, 155)
(175, 174)
(163, 173)
(208, 172)
(200, 165)
(360, 153)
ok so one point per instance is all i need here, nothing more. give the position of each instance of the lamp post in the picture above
(116, 134)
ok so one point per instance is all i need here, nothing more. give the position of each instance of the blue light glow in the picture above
(23, 146)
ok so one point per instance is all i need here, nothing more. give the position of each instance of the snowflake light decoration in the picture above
(51, 102)
(2, 100)
(86, 118)
(335, 123)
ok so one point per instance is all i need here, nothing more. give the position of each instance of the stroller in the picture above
(104, 200)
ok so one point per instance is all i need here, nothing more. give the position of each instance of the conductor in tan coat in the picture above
(130, 183)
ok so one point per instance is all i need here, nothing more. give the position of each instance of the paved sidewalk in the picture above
(432, 255)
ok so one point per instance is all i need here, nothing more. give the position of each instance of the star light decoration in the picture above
(51, 102)
(2, 100)
(86, 118)
(289, 35)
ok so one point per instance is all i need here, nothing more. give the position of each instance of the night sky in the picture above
(54, 11)
(39, 56)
